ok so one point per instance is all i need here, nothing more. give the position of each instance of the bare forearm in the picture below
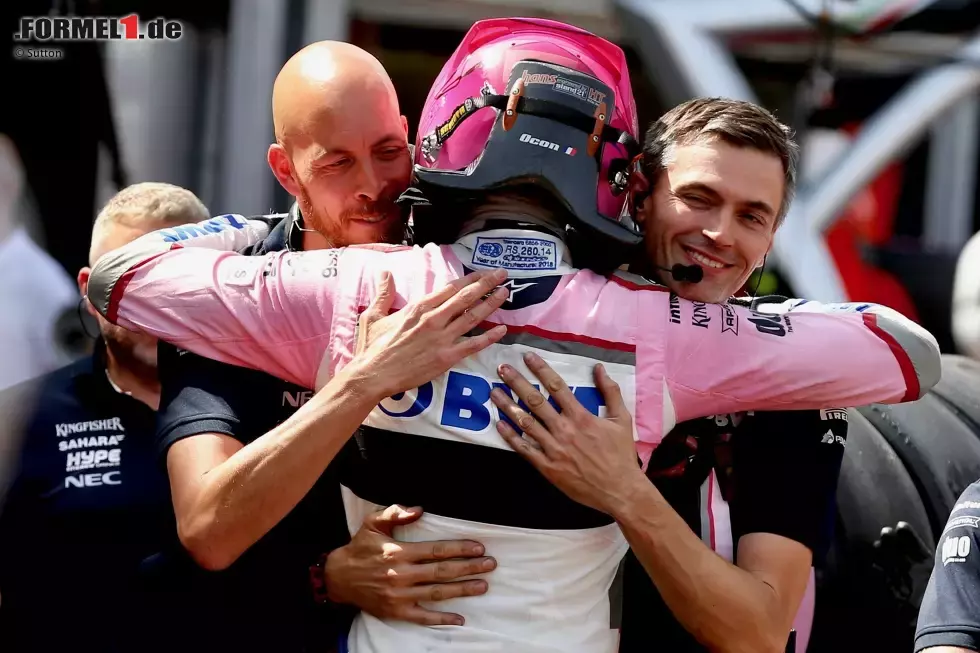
(724, 607)
(241, 499)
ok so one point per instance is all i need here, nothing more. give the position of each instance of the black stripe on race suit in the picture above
(461, 481)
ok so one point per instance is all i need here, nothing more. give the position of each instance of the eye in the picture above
(339, 164)
(698, 201)
(757, 219)
(389, 153)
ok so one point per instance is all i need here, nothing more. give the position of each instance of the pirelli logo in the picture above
(833, 414)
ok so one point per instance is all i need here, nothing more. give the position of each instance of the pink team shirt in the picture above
(293, 315)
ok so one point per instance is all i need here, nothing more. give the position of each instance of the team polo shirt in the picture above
(950, 612)
(265, 595)
(730, 475)
(87, 518)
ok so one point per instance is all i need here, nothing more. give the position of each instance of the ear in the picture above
(639, 183)
(82, 280)
(405, 126)
(639, 189)
(282, 168)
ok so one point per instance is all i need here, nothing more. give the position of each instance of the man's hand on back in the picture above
(388, 579)
(422, 341)
(591, 459)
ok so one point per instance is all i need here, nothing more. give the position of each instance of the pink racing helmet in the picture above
(533, 101)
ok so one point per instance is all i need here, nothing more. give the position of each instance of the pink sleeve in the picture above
(276, 313)
(724, 358)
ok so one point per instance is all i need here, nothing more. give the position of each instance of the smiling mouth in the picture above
(705, 260)
(372, 219)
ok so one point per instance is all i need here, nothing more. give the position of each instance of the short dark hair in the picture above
(738, 123)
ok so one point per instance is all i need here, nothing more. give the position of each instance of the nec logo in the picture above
(93, 480)
(466, 402)
(296, 399)
(548, 145)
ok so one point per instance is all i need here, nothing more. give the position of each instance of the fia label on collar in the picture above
(516, 253)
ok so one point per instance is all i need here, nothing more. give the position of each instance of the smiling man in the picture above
(343, 155)
(734, 507)
(721, 188)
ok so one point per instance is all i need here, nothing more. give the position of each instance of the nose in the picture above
(368, 182)
(720, 229)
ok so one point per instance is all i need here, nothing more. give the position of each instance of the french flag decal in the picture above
(570, 151)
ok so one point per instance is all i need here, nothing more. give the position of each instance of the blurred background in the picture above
(883, 95)
(880, 217)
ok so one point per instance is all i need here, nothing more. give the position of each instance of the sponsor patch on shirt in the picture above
(963, 522)
(833, 413)
(955, 549)
(516, 253)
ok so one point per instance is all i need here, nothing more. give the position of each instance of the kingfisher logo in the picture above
(548, 145)
(109, 424)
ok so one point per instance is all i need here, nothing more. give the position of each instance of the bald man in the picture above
(341, 145)
(89, 504)
(256, 492)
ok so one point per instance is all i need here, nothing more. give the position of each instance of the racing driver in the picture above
(521, 164)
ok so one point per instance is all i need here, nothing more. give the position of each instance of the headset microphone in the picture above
(685, 273)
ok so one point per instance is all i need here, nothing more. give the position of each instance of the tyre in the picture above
(868, 592)
(940, 450)
(904, 467)
(960, 389)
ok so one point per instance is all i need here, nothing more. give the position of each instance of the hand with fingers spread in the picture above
(591, 459)
(388, 579)
(412, 346)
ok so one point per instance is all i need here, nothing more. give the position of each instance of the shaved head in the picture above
(131, 213)
(140, 209)
(341, 143)
(320, 79)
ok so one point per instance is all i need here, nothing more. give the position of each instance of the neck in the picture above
(135, 379)
(515, 209)
(641, 265)
(313, 240)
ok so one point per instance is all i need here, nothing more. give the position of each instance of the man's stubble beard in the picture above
(336, 231)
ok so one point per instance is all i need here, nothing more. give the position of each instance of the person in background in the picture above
(949, 618)
(34, 284)
(966, 300)
(88, 505)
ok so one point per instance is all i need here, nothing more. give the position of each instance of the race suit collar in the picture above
(522, 252)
